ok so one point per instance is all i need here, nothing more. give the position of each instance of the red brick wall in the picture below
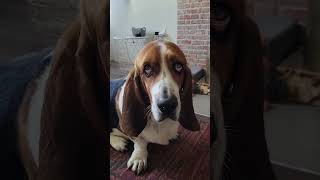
(294, 8)
(193, 35)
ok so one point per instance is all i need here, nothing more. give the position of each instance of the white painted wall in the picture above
(118, 22)
(119, 16)
(155, 15)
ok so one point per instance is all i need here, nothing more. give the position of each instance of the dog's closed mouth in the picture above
(171, 116)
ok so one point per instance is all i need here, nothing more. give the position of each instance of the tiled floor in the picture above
(289, 174)
(119, 69)
(201, 104)
(292, 133)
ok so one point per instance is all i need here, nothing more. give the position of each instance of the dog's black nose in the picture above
(168, 105)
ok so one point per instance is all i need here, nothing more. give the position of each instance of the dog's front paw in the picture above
(175, 138)
(138, 161)
(118, 143)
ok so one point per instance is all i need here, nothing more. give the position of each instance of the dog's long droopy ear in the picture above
(132, 120)
(187, 117)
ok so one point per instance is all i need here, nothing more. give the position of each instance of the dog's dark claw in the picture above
(175, 139)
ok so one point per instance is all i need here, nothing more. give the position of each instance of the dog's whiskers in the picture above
(147, 111)
(227, 169)
(228, 157)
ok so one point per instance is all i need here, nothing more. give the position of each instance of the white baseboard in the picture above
(205, 115)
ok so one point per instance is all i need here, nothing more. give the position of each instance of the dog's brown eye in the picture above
(178, 67)
(147, 70)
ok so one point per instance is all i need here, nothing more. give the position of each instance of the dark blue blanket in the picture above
(17, 73)
(115, 85)
(14, 77)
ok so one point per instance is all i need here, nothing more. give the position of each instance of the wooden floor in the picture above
(119, 69)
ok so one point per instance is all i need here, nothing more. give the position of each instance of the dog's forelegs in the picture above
(118, 140)
(218, 151)
(138, 160)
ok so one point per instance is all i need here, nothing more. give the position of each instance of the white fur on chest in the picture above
(34, 114)
(160, 133)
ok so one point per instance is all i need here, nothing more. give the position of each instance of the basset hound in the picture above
(218, 133)
(153, 100)
(241, 150)
(63, 116)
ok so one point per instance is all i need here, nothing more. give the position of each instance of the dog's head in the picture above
(160, 84)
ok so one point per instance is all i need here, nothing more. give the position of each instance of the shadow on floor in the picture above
(283, 173)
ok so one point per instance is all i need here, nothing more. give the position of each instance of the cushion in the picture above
(281, 34)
